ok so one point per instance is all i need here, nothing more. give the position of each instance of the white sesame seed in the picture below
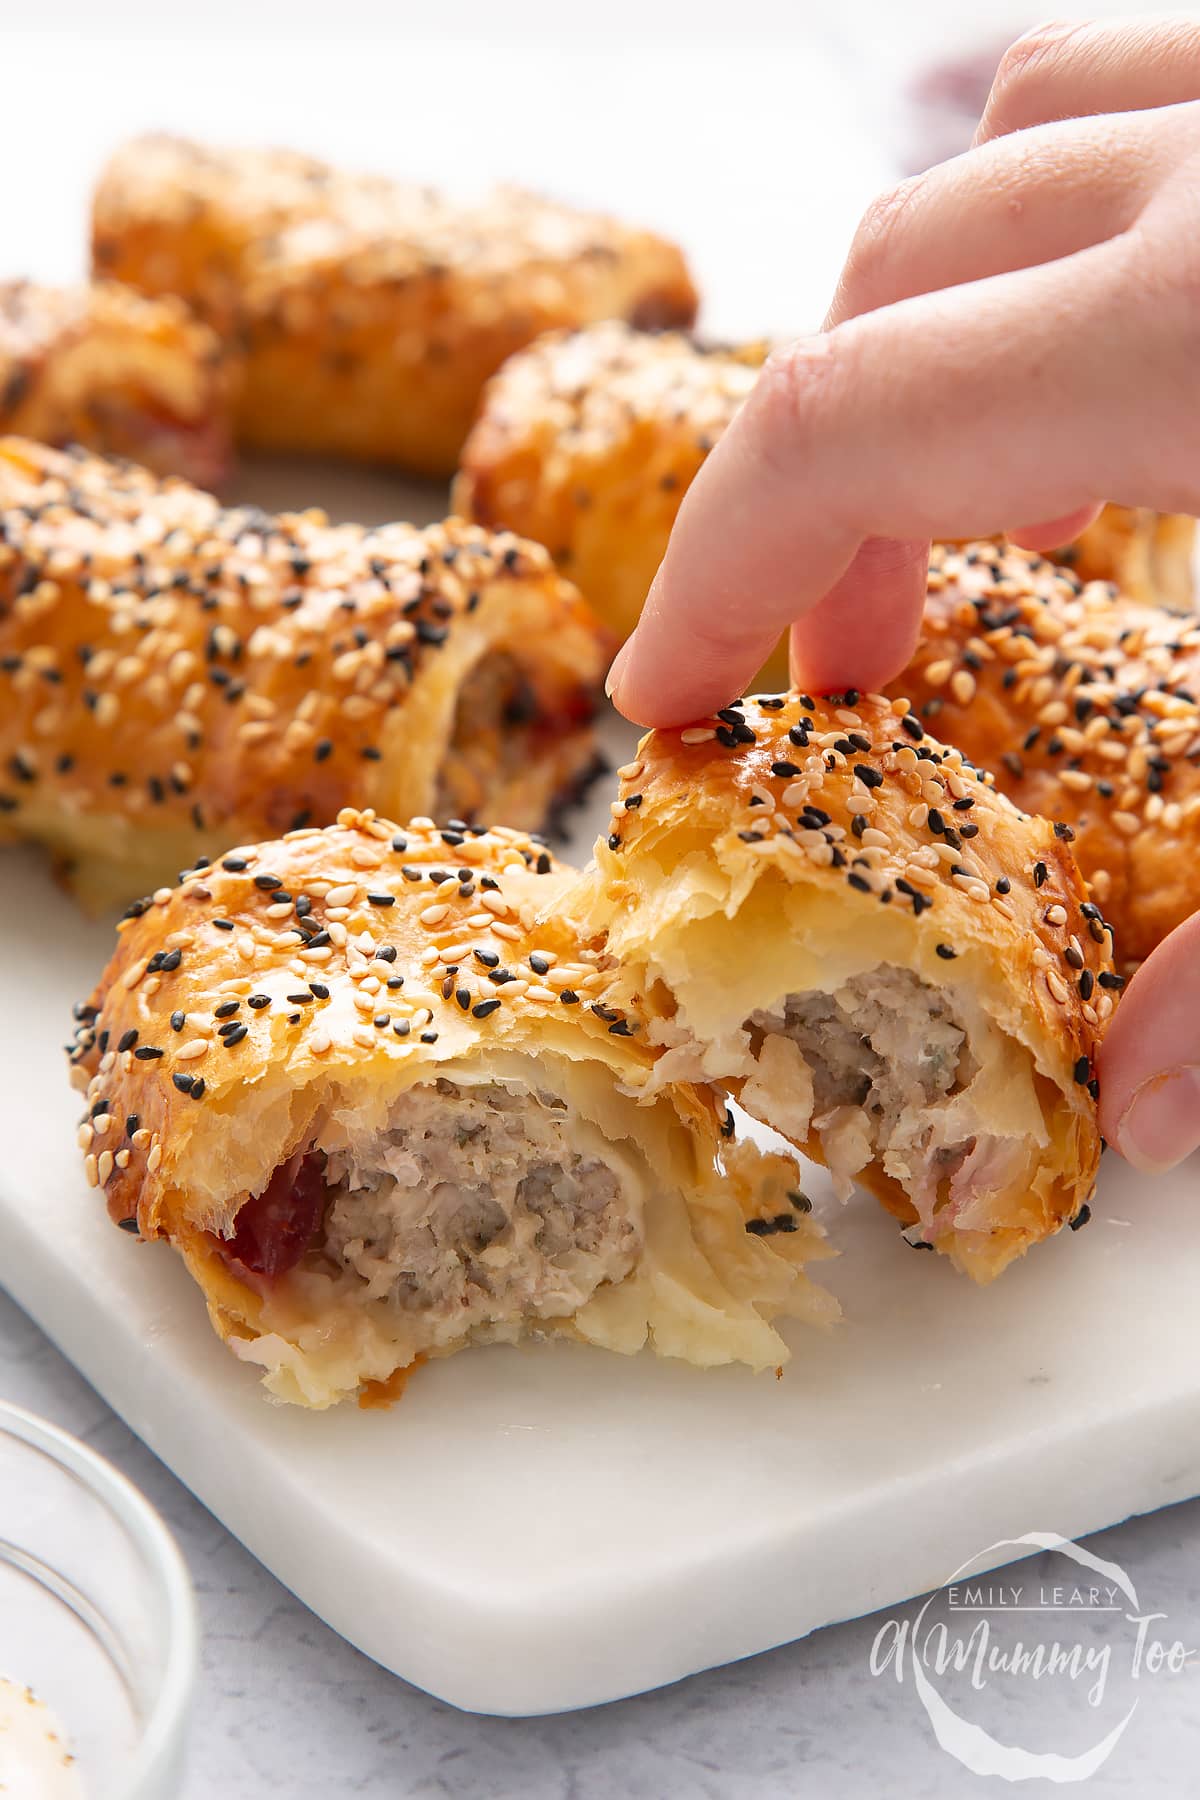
(697, 734)
(433, 915)
(194, 1047)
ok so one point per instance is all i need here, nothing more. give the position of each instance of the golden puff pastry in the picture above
(1084, 707)
(103, 366)
(592, 438)
(384, 1116)
(840, 919)
(1148, 555)
(588, 441)
(174, 675)
(371, 312)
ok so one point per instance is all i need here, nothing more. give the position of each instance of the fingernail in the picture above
(616, 671)
(1161, 1124)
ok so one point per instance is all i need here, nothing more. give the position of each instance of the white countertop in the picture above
(287, 1708)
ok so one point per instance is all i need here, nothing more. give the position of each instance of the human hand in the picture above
(1015, 336)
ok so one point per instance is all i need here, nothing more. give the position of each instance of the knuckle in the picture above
(790, 399)
(874, 248)
(1027, 62)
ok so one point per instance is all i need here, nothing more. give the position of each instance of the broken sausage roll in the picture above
(382, 1119)
(175, 675)
(840, 920)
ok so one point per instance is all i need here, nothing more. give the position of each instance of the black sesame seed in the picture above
(234, 864)
(127, 1040)
(859, 881)
(569, 997)
(226, 1009)
(871, 778)
(785, 770)
(235, 1036)
(130, 1224)
(382, 899)
(429, 1037)
(1003, 885)
(304, 999)
(1081, 1217)
(1063, 831)
(1086, 984)
(178, 1020)
(620, 1028)
(1107, 979)
(1040, 872)
(148, 1053)
(183, 1082)
(946, 952)
(483, 1008)
(268, 883)
(256, 1002)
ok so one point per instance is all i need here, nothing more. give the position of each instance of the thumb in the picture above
(1149, 1063)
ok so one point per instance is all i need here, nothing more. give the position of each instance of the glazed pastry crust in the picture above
(371, 312)
(1082, 705)
(734, 841)
(588, 442)
(103, 366)
(188, 1114)
(175, 675)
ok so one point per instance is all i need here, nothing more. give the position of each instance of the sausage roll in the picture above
(384, 1115)
(1084, 707)
(371, 312)
(174, 675)
(841, 920)
(105, 367)
(588, 442)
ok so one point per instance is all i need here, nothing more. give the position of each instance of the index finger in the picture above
(956, 414)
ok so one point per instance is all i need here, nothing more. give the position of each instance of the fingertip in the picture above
(864, 632)
(1053, 534)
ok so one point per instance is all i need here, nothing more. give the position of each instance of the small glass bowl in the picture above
(96, 1611)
